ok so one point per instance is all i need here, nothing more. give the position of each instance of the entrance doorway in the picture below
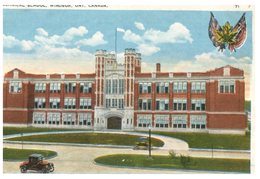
(114, 123)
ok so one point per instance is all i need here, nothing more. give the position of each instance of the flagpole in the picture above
(116, 43)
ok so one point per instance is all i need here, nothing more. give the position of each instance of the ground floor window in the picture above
(68, 118)
(39, 118)
(162, 121)
(53, 118)
(144, 120)
(84, 119)
(198, 121)
(179, 121)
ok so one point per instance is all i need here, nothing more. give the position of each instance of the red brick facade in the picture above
(209, 100)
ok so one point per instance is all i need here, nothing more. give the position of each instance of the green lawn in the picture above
(88, 138)
(18, 130)
(218, 141)
(22, 154)
(229, 165)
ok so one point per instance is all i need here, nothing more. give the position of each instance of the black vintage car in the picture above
(36, 162)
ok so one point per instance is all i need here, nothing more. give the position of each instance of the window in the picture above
(108, 86)
(85, 103)
(15, 87)
(121, 86)
(84, 119)
(40, 87)
(85, 87)
(38, 118)
(53, 118)
(180, 104)
(162, 104)
(162, 121)
(145, 88)
(198, 104)
(179, 121)
(144, 120)
(70, 87)
(54, 103)
(115, 103)
(198, 87)
(114, 86)
(70, 103)
(55, 87)
(68, 118)
(145, 104)
(39, 102)
(162, 87)
(198, 121)
(226, 86)
(180, 87)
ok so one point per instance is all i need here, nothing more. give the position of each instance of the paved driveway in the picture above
(80, 159)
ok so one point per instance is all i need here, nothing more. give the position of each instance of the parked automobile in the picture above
(142, 144)
(36, 162)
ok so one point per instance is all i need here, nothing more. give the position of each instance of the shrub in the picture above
(185, 160)
(172, 154)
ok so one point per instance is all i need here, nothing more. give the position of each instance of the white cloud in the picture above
(148, 43)
(96, 39)
(42, 32)
(147, 50)
(177, 33)
(10, 41)
(27, 45)
(74, 32)
(132, 37)
(139, 26)
(120, 30)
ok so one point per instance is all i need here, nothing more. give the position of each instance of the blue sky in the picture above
(49, 41)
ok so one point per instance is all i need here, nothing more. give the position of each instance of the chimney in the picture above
(158, 67)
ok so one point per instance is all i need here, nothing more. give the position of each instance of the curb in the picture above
(220, 150)
(47, 158)
(169, 169)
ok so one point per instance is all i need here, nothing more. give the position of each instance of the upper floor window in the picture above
(145, 88)
(226, 86)
(198, 87)
(198, 104)
(54, 103)
(162, 104)
(180, 87)
(162, 87)
(145, 104)
(70, 87)
(85, 103)
(39, 102)
(15, 87)
(179, 104)
(86, 87)
(40, 87)
(114, 86)
(70, 103)
(55, 87)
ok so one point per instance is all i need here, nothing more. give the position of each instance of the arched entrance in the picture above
(114, 123)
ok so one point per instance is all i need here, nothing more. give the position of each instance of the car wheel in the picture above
(51, 167)
(23, 169)
(45, 169)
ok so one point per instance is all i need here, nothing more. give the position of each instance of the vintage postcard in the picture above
(99, 89)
